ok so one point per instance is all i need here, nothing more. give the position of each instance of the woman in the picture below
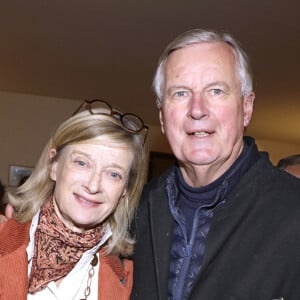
(69, 235)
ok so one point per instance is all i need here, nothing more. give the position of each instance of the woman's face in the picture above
(91, 179)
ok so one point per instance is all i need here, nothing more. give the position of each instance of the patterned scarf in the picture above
(57, 249)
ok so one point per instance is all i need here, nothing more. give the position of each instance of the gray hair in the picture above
(197, 36)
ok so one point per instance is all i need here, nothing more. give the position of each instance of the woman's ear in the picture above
(53, 167)
(124, 193)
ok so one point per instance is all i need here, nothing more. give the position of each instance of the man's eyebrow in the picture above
(222, 83)
(177, 87)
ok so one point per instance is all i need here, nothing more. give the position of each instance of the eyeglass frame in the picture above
(114, 113)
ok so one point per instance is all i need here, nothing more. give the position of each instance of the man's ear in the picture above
(248, 103)
(161, 120)
(53, 167)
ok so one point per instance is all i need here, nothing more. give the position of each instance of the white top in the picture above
(73, 285)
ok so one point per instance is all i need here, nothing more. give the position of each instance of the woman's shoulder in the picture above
(14, 231)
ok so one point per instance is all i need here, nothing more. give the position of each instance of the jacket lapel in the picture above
(161, 223)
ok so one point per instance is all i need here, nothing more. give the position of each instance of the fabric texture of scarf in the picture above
(57, 249)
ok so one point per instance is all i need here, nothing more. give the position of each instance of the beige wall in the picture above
(277, 149)
(26, 122)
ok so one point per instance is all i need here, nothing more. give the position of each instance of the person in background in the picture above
(6, 209)
(290, 164)
(222, 223)
(2, 202)
(69, 238)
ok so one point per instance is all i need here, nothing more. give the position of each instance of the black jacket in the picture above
(252, 249)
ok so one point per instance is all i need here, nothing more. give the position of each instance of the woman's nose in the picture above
(94, 183)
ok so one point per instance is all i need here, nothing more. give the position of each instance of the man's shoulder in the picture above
(155, 192)
(271, 188)
(264, 171)
(156, 183)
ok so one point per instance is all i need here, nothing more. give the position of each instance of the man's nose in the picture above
(198, 106)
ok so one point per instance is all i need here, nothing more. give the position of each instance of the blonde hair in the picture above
(85, 126)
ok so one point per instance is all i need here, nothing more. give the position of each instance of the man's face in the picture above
(90, 179)
(203, 113)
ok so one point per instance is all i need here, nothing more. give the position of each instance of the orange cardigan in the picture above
(14, 238)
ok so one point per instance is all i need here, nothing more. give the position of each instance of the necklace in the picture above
(91, 273)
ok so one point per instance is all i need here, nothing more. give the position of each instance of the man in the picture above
(290, 164)
(223, 223)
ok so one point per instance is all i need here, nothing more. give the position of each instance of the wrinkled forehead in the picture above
(215, 60)
(107, 140)
(203, 49)
(101, 150)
